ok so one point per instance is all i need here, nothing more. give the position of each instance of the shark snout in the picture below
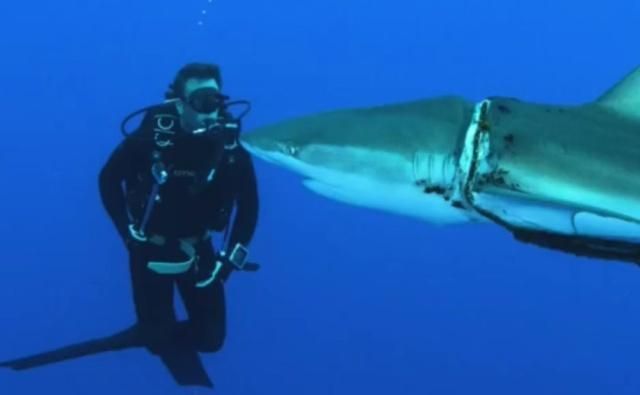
(254, 142)
(268, 148)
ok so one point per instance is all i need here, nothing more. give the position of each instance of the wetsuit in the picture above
(204, 183)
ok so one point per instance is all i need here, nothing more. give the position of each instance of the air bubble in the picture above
(204, 13)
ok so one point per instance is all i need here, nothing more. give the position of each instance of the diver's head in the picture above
(199, 101)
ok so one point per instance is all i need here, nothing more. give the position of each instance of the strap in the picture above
(170, 267)
(160, 176)
(148, 208)
(162, 267)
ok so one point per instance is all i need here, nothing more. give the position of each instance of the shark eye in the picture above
(292, 150)
(288, 149)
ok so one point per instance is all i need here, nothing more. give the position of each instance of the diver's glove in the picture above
(227, 263)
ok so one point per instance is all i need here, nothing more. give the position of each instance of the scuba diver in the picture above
(171, 184)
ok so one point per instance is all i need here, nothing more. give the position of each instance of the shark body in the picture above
(561, 177)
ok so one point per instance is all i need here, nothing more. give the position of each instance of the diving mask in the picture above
(206, 100)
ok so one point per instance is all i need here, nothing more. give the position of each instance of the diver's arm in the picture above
(247, 203)
(244, 225)
(112, 194)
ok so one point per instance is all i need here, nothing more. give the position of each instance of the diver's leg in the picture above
(206, 307)
(153, 300)
(207, 315)
(160, 332)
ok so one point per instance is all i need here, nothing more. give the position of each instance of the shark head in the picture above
(366, 157)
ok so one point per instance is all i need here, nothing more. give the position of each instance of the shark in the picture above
(559, 176)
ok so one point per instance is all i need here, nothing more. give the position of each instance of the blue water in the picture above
(349, 301)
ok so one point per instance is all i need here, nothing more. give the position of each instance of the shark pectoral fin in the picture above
(597, 225)
(561, 227)
(528, 212)
(624, 97)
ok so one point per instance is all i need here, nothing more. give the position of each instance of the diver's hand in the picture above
(136, 235)
(134, 238)
(222, 268)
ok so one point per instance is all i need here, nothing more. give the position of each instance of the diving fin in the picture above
(183, 362)
(185, 366)
(127, 338)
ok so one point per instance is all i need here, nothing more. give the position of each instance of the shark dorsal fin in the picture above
(624, 97)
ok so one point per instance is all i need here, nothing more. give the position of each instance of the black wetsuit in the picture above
(190, 205)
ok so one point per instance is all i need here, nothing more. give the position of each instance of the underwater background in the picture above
(349, 300)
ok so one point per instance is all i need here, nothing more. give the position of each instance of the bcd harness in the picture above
(164, 134)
